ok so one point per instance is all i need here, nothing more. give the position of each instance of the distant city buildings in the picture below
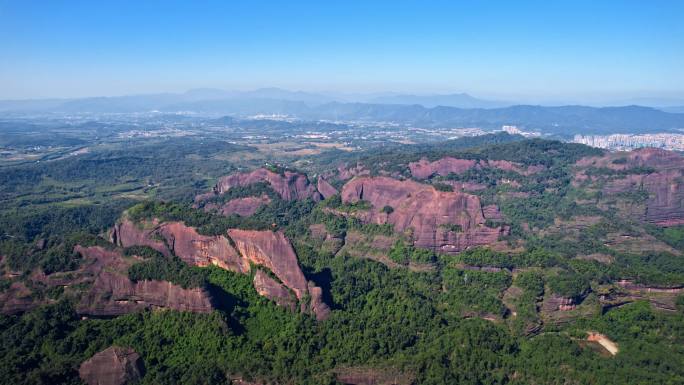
(628, 142)
(514, 130)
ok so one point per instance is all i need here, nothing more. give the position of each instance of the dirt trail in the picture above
(602, 340)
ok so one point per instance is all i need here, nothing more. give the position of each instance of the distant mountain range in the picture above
(450, 100)
(421, 111)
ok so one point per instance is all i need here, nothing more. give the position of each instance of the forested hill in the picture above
(484, 260)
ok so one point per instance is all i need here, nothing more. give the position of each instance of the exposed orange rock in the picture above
(428, 213)
(273, 251)
(424, 169)
(344, 172)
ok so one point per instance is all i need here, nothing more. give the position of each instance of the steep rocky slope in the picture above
(443, 221)
(112, 366)
(658, 172)
(234, 251)
(289, 185)
(112, 293)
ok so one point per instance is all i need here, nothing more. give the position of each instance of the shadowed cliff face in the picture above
(271, 250)
(665, 185)
(112, 366)
(428, 213)
(325, 188)
(289, 185)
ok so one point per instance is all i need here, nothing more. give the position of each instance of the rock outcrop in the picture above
(112, 366)
(243, 207)
(289, 185)
(424, 169)
(273, 290)
(274, 251)
(556, 302)
(443, 221)
(184, 241)
(112, 293)
(664, 185)
(235, 252)
(325, 188)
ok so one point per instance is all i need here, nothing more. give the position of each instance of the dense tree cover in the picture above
(253, 190)
(45, 237)
(161, 268)
(404, 253)
(426, 324)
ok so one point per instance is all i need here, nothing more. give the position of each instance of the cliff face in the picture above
(430, 214)
(273, 290)
(424, 169)
(665, 185)
(264, 248)
(112, 366)
(325, 188)
(289, 185)
(112, 293)
(243, 207)
(273, 251)
(184, 241)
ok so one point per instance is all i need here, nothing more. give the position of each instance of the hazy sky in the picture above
(542, 49)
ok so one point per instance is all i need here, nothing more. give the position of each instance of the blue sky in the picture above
(539, 50)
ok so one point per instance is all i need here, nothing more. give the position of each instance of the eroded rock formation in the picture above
(665, 185)
(325, 188)
(273, 290)
(112, 293)
(289, 185)
(243, 207)
(112, 366)
(424, 169)
(274, 251)
(184, 241)
(444, 221)
(234, 251)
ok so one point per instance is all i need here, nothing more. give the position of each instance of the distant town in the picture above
(674, 142)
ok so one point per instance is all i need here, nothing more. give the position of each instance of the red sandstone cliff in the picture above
(424, 169)
(184, 241)
(427, 212)
(274, 251)
(263, 248)
(665, 186)
(289, 185)
(112, 293)
(325, 188)
(243, 207)
(273, 290)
